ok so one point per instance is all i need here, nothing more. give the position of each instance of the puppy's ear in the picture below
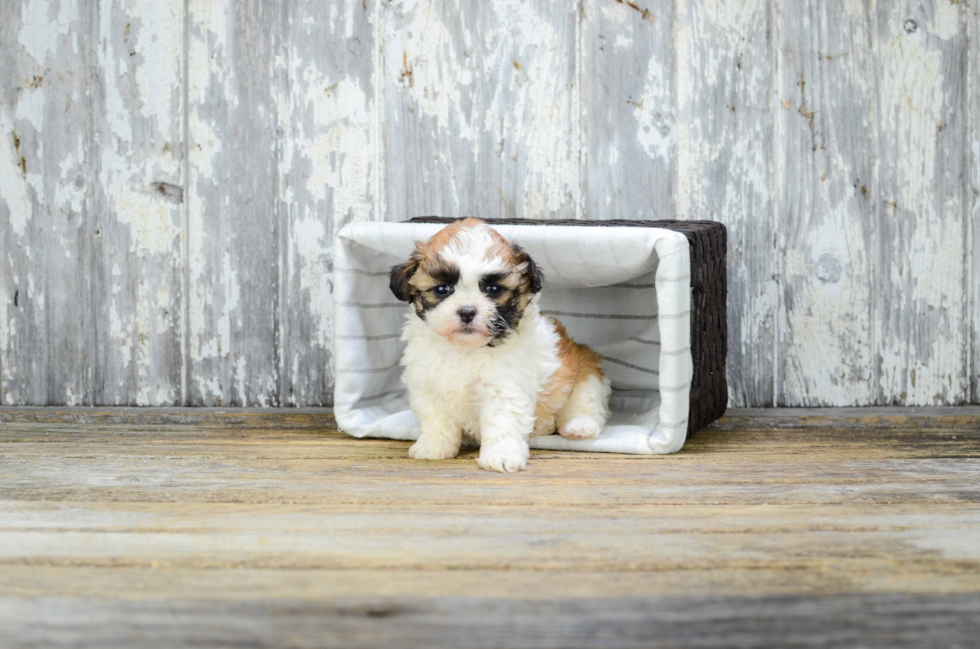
(400, 274)
(531, 276)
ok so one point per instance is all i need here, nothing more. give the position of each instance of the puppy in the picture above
(481, 360)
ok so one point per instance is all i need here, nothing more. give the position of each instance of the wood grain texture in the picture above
(780, 527)
(327, 113)
(724, 157)
(481, 111)
(47, 200)
(825, 221)
(872, 621)
(232, 229)
(628, 105)
(884, 621)
(530, 131)
(138, 126)
(921, 296)
(433, 108)
(974, 195)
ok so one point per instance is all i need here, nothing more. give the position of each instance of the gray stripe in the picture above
(679, 424)
(634, 389)
(674, 316)
(630, 365)
(679, 388)
(601, 316)
(659, 280)
(382, 337)
(371, 398)
(643, 341)
(677, 352)
(376, 370)
(359, 305)
(366, 273)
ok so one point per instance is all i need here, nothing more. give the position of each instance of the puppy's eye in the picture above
(492, 289)
(444, 289)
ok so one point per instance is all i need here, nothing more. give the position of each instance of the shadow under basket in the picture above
(650, 296)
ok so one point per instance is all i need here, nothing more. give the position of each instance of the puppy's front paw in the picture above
(581, 427)
(504, 457)
(433, 448)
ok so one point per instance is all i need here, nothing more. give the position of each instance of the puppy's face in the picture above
(468, 284)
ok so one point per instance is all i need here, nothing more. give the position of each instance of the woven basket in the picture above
(709, 290)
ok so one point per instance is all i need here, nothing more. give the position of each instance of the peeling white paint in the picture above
(655, 131)
(70, 191)
(311, 242)
(921, 357)
(241, 376)
(140, 56)
(40, 28)
(71, 397)
(158, 46)
(340, 149)
(31, 103)
(422, 59)
(232, 293)
(533, 111)
(13, 186)
(946, 19)
(723, 172)
(912, 109)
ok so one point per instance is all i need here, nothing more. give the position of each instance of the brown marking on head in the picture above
(443, 237)
(401, 275)
(505, 293)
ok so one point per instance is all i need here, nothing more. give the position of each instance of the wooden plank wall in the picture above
(172, 175)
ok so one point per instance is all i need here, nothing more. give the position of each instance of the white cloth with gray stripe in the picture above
(625, 291)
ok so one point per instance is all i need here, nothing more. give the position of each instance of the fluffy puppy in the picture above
(481, 360)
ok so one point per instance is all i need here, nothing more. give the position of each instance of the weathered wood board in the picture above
(825, 184)
(921, 299)
(628, 110)
(529, 128)
(432, 128)
(724, 156)
(327, 115)
(172, 176)
(48, 187)
(233, 228)
(973, 223)
(136, 216)
(788, 527)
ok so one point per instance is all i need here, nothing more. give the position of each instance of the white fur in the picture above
(487, 393)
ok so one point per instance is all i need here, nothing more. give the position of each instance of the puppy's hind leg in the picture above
(587, 408)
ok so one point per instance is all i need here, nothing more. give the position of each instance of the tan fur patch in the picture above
(578, 363)
(427, 252)
(441, 239)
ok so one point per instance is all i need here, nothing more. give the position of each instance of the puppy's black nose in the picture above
(466, 314)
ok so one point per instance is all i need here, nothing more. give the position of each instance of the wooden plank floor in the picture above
(168, 528)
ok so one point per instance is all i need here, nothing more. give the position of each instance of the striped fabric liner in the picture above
(643, 331)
